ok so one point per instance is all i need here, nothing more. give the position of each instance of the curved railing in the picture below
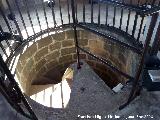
(24, 22)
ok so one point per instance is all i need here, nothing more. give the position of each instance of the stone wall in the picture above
(58, 51)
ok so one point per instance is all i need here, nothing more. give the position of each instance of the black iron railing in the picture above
(28, 21)
(10, 89)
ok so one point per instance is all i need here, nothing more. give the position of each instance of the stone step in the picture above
(7, 112)
(89, 95)
(154, 75)
(145, 107)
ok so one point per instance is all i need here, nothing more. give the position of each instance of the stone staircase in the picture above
(90, 96)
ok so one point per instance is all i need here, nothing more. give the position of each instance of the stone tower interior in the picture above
(79, 59)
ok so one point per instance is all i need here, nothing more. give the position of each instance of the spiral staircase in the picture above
(79, 87)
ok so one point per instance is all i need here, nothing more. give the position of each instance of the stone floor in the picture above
(7, 112)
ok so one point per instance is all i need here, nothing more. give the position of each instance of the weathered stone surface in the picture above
(32, 74)
(70, 34)
(85, 34)
(67, 64)
(53, 55)
(123, 58)
(93, 36)
(23, 79)
(90, 63)
(83, 42)
(41, 53)
(65, 58)
(28, 53)
(67, 43)
(101, 67)
(66, 51)
(19, 67)
(44, 42)
(54, 46)
(28, 67)
(60, 67)
(88, 94)
(115, 62)
(59, 36)
(96, 43)
(81, 56)
(42, 71)
(52, 64)
(108, 47)
(40, 64)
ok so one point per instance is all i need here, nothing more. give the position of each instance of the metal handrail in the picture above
(141, 12)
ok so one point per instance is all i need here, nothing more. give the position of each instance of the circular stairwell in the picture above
(43, 64)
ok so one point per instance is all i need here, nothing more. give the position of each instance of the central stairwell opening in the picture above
(44, 72)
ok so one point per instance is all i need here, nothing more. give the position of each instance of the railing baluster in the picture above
(99, 12)
(75, 33)
(53, 14)
(129, 14)
(84, 16)
(16, 87)
(114, 17)
(62, 95)
(3, 49)
(76, 11)
(6, 93)
(134, 89)
(140, 29)
(144, 28)
(8, 44)
(106, 14)
(68, 11)
(121, 19)
(60, 9)
(135, 21)
(39, 23)
(29, 16)
(11, 65)
(5, 19)
(14, 19)
(135, 24)
(91, 11)
(45, 15)
(21, 16)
